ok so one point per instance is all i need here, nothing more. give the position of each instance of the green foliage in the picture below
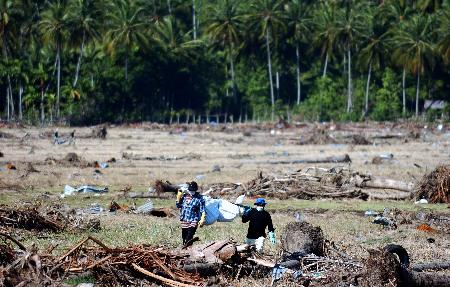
(387, 103)
(325, 102)
(90, 61)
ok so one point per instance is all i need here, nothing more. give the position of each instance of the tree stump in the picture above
(302, 237)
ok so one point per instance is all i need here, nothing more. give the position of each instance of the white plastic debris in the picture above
(145, 208)
(68, 190)
(422, 201)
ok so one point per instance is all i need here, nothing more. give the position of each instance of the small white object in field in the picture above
(422, 201)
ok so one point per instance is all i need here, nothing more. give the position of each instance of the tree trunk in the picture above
(299, 87)
(194, 21)
(9, 97)
(77, 71)
(269, 66)
(366, 107)
(404, 91)
(126, 67)
(384, 183)
(8, 113)
(417, 93)
(42, 107)
(233, 82)
(325, 67)
(169, 7)
(58, 85)
(349, 97)
(277, 84)
(20, 101)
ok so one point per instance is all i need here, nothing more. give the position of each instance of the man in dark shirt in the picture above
(258, 219)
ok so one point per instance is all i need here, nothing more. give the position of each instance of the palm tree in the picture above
(325, 19)
(393, 14)
(172, 41)
(224, 26)
(298, 25)
(373, 53)
(9, 12)
(444, 35)
(267, 17)
(415, 49)
(84, 19)
(54, 26)
(126, 28)
(350, 26)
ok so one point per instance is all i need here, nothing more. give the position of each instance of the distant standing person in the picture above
(258, 219)
(193, 214)
(56, 137)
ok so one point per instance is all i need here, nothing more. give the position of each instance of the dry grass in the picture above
(341, 221)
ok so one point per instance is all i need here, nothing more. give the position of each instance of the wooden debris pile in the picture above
(435, 186)
(71, 159)
(27, 218)
(130, 266)
(54, 218)
(313, 182)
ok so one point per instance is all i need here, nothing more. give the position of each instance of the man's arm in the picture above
(246, 216)
(179, 202)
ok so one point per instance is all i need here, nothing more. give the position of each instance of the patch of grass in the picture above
(350, 205)
(78, 280)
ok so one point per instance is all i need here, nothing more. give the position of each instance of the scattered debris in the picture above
(425, 227)
(26, 218)
(422, 201)
(5, 135)
(100, 132)
(387, 222)
(380, 159)
(10, 166)
(189, 156)
(216, 168)
(68, 190)
(146, 208)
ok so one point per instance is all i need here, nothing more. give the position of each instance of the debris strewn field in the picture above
(350, 189)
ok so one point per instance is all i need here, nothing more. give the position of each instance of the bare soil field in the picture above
(34, 170)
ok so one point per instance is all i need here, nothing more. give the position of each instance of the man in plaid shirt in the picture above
(192, 213)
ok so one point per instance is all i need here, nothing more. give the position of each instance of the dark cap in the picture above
(192, 186)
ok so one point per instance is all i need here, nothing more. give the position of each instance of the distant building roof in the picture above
(434, 105)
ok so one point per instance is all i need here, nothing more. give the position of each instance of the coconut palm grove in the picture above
(90, 61)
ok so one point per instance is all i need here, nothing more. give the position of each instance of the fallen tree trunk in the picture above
(431, 266)
(204, 269)
(161, 186)
(330, 159)
(146, 195)
(384, 183)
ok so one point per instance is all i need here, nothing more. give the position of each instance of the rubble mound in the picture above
(318, 137)
(26, 218)
(302, 237)
(435, 186)
(360, 140)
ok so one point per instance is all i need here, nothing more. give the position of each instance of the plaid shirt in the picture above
(192, 207)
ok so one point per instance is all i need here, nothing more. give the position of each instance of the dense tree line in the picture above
(89, 61)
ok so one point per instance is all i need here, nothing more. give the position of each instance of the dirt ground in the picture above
(193, 155)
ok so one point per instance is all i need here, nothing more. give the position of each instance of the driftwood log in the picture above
(384, 183)
(330, 159)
